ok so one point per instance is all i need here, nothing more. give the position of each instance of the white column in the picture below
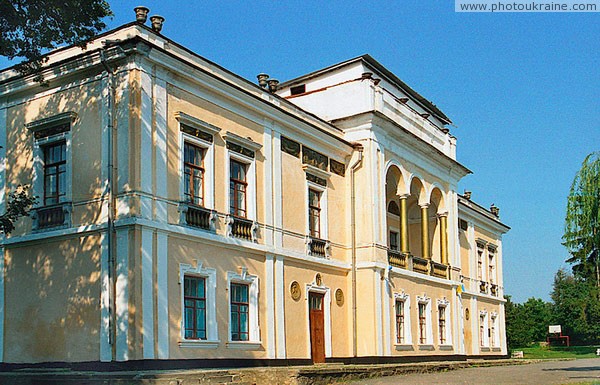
(474, 326)
(268, 185)
(387, 338)
(162, 295)
(270, 293)
(145, 156)
(160, 124)
(279, 307)
(378, 313)
(3, 134)
(122, 110)
(2, 313)
(105, 347)
(104, 144)
(473, 283)
(122, 295)
(502, 329)
(147, 295)
(277, 193)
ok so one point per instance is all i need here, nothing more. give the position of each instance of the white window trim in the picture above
(38, 166)
(253, 342)
(445, 304)
(323, 226)
(212, 333)
(486, 336)
(405, 299)
(209, 168)
(326, 291)
(428, 326)
(491, 261)
(250, 179)
(494, 320)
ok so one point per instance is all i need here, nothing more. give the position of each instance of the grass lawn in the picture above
(538, 352)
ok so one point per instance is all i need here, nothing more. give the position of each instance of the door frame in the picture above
(326, 292)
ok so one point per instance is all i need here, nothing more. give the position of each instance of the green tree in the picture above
(28, 28)
(576, 307)
(528, 322)
(18, 205)
(582, 223)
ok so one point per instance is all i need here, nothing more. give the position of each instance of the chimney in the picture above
(141, 14)
(262, 79)
(273, 83)
(157, 23)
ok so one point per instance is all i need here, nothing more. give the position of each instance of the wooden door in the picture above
(317, 328)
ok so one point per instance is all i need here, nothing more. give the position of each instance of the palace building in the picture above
(187, 213)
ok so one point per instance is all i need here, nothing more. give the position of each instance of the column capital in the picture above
(424, 205)
(443, 214)
(403, 196)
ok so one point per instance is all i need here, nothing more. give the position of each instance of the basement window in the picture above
(297, 90)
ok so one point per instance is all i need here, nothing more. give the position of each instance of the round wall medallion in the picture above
(339, 297)
(295, 291)
(318, 279)
(467, 314)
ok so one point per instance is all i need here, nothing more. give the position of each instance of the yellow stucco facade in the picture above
(186, 213)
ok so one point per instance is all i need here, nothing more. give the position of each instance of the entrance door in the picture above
(317, 328)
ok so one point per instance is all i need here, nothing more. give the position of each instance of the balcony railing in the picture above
(483, 286)
(420, 265)
(242, 228)
(397, 259)
(200, 217)
(494, 290)
(317, 247)
(51, 216)
(439, 270)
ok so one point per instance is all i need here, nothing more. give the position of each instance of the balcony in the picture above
(439, 270)
(197, 216)
(51, 216)
(397, 259)
(317, 247)
(483, 286)
(420, 265)
(494, 290)
(242, 228)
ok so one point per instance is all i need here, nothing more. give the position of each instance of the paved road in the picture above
(543, 373)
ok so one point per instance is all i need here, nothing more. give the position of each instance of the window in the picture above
(297, 90)
(494, 335)
(422, 323)
(55, 155)
(240, 308)
(193, 167)
(480, 263)
(194, 293)
(314, 213)
(483, 330)
(198, 306)
(243, 310)
(491, 265)
(400, 326)
(237, 188)
(393, 240)
(442, 323)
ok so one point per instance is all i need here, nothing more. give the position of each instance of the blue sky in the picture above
(523, 90)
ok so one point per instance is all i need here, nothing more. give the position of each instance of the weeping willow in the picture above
(582, 221)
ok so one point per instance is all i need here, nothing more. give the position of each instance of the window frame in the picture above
(494, 332)
(253, 342)
(395, 231)
(426, 301)
(191, 196)
(484, 340)
(212, 332)
(447, 329)
(314, 232)
(38, 177)
(238, 182)
(208, 160)
(404, 299)
(323, 228)
(194, 329)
